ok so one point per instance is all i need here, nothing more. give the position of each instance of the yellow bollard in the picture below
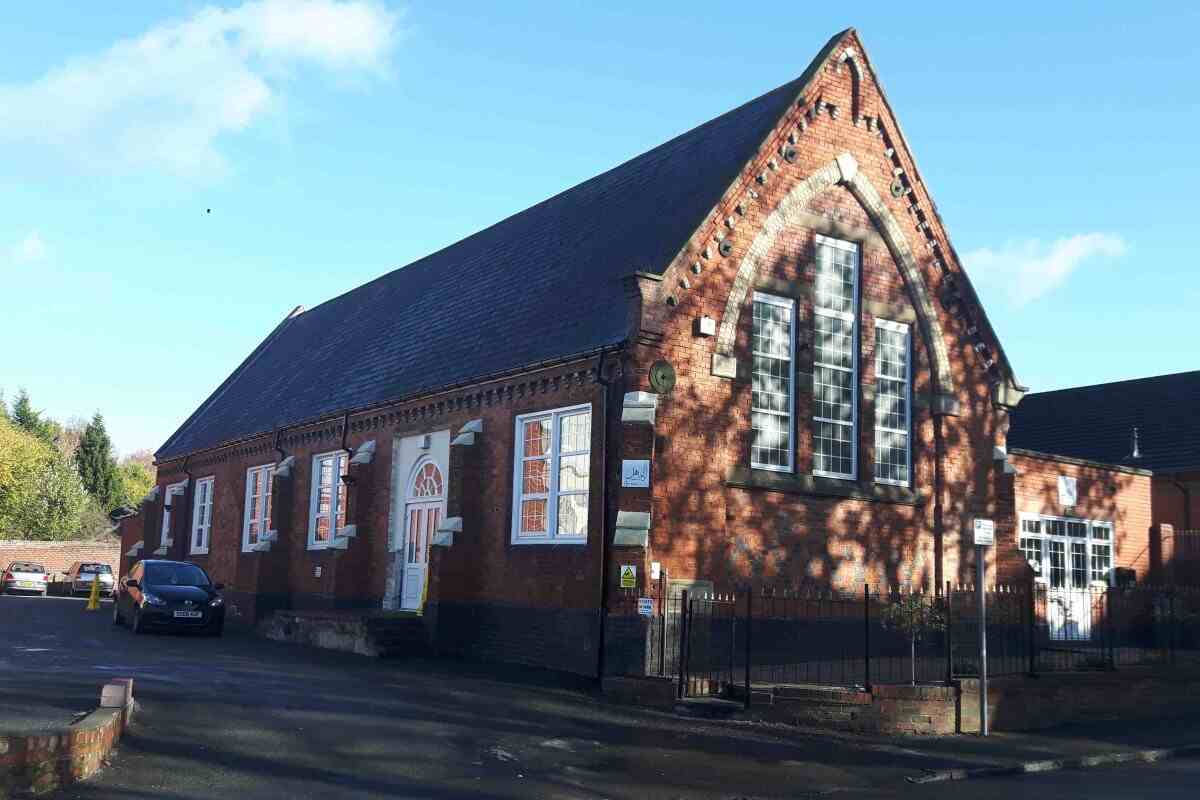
(94, 597)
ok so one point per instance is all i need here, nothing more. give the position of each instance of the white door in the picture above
(422, 514)
(1069, 598)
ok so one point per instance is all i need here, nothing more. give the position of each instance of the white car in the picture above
(82, 574)
(24, 576)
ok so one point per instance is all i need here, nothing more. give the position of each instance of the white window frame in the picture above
(551, 535)
(1090, 539)
(855, 347)
(200, 533)
(897, 327)
(790, 305)
(340, 456)
(264, 519)
(171, 489)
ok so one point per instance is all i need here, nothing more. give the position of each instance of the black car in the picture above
(170, 595)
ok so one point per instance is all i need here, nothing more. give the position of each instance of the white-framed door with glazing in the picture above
(1072, 559)
(424, 508)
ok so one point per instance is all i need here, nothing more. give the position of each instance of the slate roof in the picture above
(542, 285)
(1097, 422)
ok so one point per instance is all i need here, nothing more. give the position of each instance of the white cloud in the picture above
(30, 249)
(162, 99)
(1027, 270)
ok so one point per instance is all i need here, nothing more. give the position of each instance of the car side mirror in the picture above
(218, 586)
(131, 584)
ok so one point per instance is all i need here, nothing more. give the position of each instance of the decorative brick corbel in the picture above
(284, 468)
(364, 453)
(633, 529)
(639, 407)
(466, 434)
(444, 535)
(137, 548)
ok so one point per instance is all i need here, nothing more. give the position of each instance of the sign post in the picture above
(985, 536)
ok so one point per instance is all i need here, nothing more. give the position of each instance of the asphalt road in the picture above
(1167, 780)
(245, 718)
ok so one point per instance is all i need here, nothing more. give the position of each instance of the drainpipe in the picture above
(604, 513)
(278, 449)
(1187, 501)
(191, 498)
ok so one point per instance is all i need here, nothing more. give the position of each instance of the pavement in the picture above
(240, 716)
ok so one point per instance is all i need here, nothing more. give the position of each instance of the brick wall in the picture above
(57, 557)
(56, 758)
(1117, 494)
(495, 599)
(715, 519)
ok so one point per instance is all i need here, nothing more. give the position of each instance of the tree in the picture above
(3, 407)
(97, 468)
(41, 496)
(136, 481)
(30, 419)
(58, 503)
(915, 616)
(22, 458)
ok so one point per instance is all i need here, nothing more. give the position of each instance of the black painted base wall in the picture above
(559, 639)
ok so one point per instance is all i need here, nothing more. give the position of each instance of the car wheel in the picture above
(137, 626)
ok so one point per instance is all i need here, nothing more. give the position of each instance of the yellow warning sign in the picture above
(628, 576)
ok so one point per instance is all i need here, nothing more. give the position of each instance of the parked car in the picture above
(24, 576)
(82, 574)
(169, 594)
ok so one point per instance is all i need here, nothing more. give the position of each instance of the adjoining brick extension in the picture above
(834, 164)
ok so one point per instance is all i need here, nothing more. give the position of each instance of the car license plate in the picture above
(188, 614)
(28, 585)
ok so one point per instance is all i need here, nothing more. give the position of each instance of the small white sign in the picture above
(646, 606)
(985, 532)
(1068, 491)
(635, 473)
(655, 570)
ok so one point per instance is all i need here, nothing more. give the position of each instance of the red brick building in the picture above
(1149, 426)
(750, 355)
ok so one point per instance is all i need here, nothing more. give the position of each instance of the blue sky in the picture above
(334, 141)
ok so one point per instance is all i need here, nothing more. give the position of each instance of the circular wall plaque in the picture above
(897, 187)
(662, 377)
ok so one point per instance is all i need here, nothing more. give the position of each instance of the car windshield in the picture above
(101, 568)
(175, 575)
(24, 566)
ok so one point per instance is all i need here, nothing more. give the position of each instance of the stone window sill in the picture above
(745, 478)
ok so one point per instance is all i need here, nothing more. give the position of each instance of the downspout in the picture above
(191, 491)
(278, 449)
(1187, 501)
(346, 431)
(604, 514)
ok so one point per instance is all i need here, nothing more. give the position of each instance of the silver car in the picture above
(24, 576)
(83, 574)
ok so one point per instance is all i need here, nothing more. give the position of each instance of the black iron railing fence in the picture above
(710, 641)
